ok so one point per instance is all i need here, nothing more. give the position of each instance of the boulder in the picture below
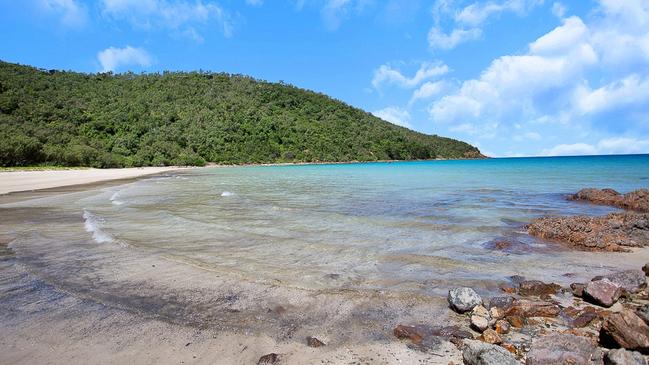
(562, 349)
(636, 200)
(584, 317)
(624, 357)
(480, 353)
(627, 330)
(502, 302)
(577, 289)
(479, 323)
(537, 288)
(602, 292)
(463, 300)
(269, 359)
(314, 342)
(630, 280)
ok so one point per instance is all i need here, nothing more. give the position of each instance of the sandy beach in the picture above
(15, 181)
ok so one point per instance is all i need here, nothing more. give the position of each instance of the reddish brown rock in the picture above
(414, 334)
(630, 280)
(537, 288)
(613, 232)
(577, 289)
(509, 347)
(502, 327)
(636, 200)
(602, 292)
(507, 288)
(314, 342)
(528, 308)
(627, 330)
(516, 321)
(562, 349)
(585, 317)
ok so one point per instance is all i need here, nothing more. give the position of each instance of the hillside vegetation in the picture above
(179, 118)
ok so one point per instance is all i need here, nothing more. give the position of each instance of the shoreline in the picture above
(32, 180)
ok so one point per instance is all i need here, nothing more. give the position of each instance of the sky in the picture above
(512, 77)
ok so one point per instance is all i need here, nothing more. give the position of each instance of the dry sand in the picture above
(15, 181)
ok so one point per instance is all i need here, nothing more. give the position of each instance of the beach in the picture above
(15, 181)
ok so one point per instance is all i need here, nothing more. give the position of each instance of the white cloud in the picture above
(427, 90)
(112, 59)
(437, 39)
(334, 11)
(607, 146)
(559, 10)
(170, 14)
(630, 91)
(395, 115)
(71, 12)
(529, 136)
(385, 74)
(477, 13)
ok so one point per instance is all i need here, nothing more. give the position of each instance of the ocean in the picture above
(262, 236)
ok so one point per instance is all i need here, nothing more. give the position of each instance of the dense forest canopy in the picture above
(189, 118)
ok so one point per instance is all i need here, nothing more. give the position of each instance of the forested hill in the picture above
(178, 118)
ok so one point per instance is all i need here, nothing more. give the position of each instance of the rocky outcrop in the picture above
(629, 280)
(563, 349)
(613, 232)
(636, 200)
(602, 292)
(463, 300)
(627, 330)
(480, 353)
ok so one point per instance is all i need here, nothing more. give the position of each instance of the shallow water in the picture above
(399, 229)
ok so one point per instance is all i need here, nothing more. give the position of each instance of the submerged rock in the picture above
(537, 288)
(270, 359)
(480, 353)
(613, 232)
(636, 200)
(412, 333)
(624, 357)
(627, 330)
(463, 300)
(602, 292)
(314, 342)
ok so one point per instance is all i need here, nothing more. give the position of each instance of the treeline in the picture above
(180, 118)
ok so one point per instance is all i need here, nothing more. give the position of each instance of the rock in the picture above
(645, 268)
(636, 200)
(463, 300)
(537, 288)
(414, 334)
(527, 308)
(496, 313)
(624, 357)
(516, 321)
(479, 323)
(270, 359)
(584, 318)
(562, 349)
(502, 327)
(627, 330)
(643, 312)
(490, 336)
(613, 232)
(507, 288)
(577, 289)
(314, 342)
(503, 303)
(509, 347)
(480, 353)
(602, 292)
(630, 280)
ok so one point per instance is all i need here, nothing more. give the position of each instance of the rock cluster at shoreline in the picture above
(613, 232)
(606, 322)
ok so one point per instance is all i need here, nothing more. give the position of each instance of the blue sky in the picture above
(513, 77)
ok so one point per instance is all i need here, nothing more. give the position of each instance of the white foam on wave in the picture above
(113, 199)
(94, 224)
(227, 193)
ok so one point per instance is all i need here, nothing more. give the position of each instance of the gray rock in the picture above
(563, 349)
(463, 299)
(480, 353)
(479, 323)
(602, 292)
(624, 357)
(631, 280)
(503, 302)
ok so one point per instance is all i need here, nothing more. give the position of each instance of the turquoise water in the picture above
(403, 227)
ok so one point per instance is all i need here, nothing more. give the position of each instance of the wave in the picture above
(227, 193)
(113, 199)
(93, 224)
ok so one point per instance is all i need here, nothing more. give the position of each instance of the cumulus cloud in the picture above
(437, 39)
(386, 74)
(113, 59)
(394, 115)
(71, 12)
(427, 90)
(477, 13)
(607, 146)
(177, 15)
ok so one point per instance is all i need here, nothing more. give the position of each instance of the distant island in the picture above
(51, 117)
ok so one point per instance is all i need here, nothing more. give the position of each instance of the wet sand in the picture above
(15, 181)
